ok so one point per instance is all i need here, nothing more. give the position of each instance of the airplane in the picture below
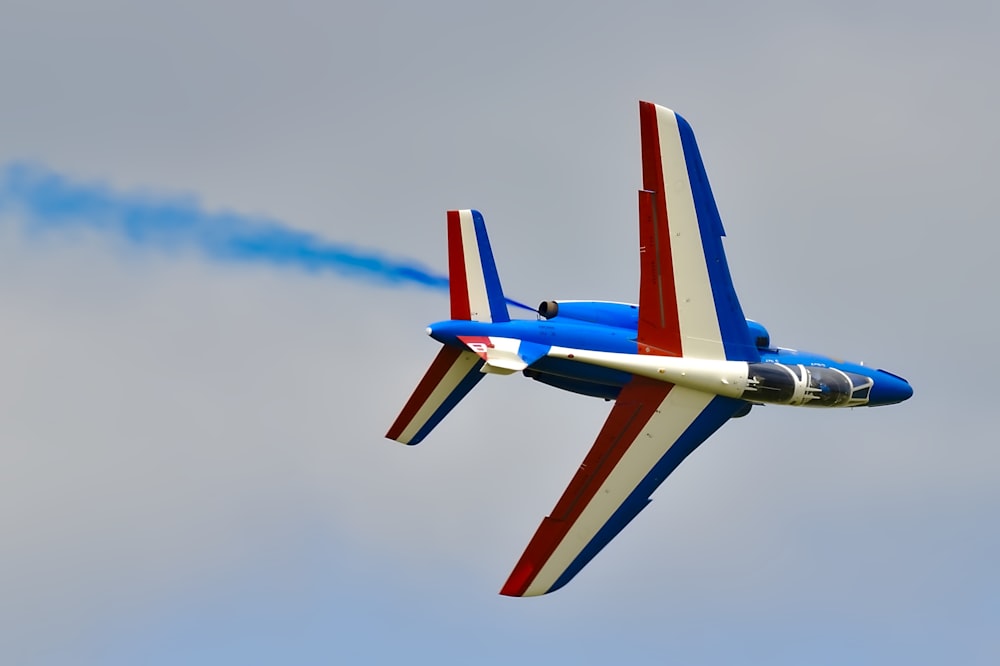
(678, 365)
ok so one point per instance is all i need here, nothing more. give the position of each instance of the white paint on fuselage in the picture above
(726, 378)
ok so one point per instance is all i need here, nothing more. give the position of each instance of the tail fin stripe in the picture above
(475, 286)
(475, 280)
(491, 279)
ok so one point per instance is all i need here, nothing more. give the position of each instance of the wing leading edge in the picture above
(651, 429)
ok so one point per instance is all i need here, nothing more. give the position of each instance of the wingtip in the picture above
(518, 590)
(653, 105)
(407, 442)
(518, 581)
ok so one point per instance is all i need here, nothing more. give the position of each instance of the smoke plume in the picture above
(50, 202)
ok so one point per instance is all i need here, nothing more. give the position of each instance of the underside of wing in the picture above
(651, 429)
(687, 303)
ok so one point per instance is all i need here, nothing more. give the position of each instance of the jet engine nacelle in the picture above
(606, 313)
(761, 338)
(548, 309)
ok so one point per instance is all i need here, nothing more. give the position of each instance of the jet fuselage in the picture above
(599, 359)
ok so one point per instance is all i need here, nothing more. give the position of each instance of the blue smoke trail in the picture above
(51, 202)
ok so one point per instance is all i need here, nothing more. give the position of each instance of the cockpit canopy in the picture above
(761, 338)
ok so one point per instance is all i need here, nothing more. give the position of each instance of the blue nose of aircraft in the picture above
(889, 389)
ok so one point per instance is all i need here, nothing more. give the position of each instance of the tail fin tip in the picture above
(475, 288)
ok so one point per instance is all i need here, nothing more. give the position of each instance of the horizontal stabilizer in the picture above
(451, 376)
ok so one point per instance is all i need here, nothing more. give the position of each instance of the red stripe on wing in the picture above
(659, 328)
(636, 404)
(432, 378)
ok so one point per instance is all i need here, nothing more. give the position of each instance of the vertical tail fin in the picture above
(475, 286)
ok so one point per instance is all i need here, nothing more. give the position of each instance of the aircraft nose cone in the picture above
(889, 389)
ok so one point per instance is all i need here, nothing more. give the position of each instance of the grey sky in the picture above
(192, 467)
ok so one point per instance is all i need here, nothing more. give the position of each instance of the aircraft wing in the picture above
(651, 429)
(687, 303)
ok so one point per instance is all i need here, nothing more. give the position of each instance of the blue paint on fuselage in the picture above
(579, 377)
(798, 357)
(887, 389)
(602, 382)
(575, 385)
(539, 336)
(620, 315)
(575, 334)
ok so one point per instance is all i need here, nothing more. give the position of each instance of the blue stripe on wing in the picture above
(736, 338)
(716, 413)
(467, 384)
